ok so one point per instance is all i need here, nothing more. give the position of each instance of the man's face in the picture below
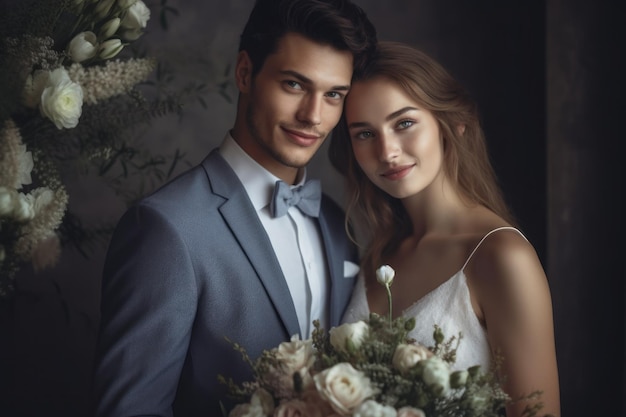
(293, 102)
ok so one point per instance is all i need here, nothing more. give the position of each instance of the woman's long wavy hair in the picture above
(384, 220)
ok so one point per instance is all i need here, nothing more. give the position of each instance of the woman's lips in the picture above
(397, 172)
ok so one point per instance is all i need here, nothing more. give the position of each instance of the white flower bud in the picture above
(104, 7)
(82, 47)
(385, 274)
(125, 4)
(109, 28)
(458, 379)
(110, 48)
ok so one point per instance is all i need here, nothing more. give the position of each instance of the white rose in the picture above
(385, 274)
(343, 387)
(355, 332)
(136, 16)
(407, 356)
(296, 354)
(410, 412)
(436, 374)
(83, 47)
(35, 83)
(371, 408)
(62, 100)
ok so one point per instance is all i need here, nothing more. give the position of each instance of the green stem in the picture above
(390, 306)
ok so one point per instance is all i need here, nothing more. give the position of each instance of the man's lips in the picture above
(397, 173)
(299, 136)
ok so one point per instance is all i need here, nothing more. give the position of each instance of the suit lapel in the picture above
(335, 268)
(244, 222)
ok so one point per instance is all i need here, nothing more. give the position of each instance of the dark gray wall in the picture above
(544, 76)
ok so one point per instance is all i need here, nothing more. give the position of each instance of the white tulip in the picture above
(109, 28)
(104, 7)
(83, 47)
(110, 48)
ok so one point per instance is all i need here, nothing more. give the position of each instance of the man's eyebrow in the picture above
(306, 80)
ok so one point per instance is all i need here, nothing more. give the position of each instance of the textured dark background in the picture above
(547, 76)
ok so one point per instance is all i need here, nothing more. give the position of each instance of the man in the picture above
(210, 256)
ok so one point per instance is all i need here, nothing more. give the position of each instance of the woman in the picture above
(419, 177)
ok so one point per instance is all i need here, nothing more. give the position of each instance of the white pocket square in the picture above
(350, 269)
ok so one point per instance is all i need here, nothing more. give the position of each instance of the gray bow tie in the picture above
(306, 197)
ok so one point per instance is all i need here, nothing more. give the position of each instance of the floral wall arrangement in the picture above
(76, 93)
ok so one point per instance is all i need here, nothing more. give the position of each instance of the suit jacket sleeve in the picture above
(146, 316)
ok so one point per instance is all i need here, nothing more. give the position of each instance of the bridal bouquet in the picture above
(66, 101)
(366, 369)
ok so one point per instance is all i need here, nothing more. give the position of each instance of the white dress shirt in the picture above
(295, 238)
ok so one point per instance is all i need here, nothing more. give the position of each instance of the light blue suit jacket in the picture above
(188, 267)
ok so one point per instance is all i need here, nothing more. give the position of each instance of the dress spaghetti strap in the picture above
(485, 237)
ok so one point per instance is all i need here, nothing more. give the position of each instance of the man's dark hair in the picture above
(338, 23)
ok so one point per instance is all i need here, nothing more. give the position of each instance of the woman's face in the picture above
(395, 141)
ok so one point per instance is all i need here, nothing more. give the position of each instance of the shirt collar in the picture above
(257, 181)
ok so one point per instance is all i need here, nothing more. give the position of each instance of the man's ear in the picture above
(243, 72)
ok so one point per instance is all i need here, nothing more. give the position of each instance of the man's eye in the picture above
(293, 84)
(335, 95)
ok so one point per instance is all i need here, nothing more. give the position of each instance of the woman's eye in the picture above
(366, 134)
(403, 124)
